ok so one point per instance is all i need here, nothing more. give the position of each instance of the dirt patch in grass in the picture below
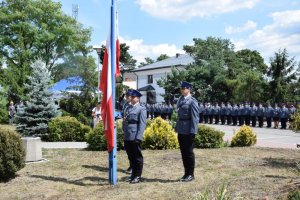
(251, 173)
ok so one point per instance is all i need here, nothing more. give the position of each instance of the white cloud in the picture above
(249, 25)
(183, 10)
(282, 33)
(139, 50)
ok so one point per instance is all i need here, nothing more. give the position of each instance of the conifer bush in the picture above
(33, 117)
(245, 136)
(208, 137)
(160, 135)
(67, 129)
(12, 153)
(295, 123)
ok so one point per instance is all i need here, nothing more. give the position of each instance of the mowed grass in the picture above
(251, 173)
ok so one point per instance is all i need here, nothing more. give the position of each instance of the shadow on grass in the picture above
(100, 169)
(280, 163)
(152, 180)
(79, 182)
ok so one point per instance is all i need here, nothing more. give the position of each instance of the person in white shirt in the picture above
(96, 114)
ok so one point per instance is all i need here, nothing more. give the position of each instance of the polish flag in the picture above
(105, 87)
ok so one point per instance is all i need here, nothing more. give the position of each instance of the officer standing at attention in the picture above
(284, 114)
(134, 126)
(260, 115)
(187, 127)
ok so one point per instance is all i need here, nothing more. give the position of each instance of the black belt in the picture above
(132, 122)
(184, 119)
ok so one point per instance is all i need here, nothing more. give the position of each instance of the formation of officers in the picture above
(190, 113)
(251, 115)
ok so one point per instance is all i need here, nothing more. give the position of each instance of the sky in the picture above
(154, 27)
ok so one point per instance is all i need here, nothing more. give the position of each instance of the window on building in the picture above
(150, 79)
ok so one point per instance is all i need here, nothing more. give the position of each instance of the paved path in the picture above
(61, 145)
(266, 137)
(274, 138)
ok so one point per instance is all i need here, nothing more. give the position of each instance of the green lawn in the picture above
(252, 173)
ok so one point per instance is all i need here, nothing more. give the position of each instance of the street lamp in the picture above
(98, 49)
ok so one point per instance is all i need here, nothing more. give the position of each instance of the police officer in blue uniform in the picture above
(125, 106)
(234, 114)
(284, 114)
(134, 126)
(228, 114)
(223, 113)
(217, 113)
(247, 111)
(187, 128)
(253, 114)
(205, 113)
(260, 115)
(269, 115)
(276, 116)
(201, 111)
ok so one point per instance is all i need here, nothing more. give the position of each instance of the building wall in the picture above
(157, 75)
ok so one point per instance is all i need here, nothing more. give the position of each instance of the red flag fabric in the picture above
(105, 87)
(107, 113)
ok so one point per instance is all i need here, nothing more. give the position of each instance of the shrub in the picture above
(12, 154)
(67, 129)
(295, 123)
(160, 135)
(294, 195)
(208, 137)
(96, 139)
(244, 137)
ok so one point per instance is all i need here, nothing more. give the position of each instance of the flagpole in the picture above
(113, 153)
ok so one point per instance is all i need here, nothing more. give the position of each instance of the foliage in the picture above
(244, 137)
(282, 72)
(162, 57)
(160, 135)
(219, 194)
(35, 29)
(294, 195)
(148, 61)
(126, 60)
(96, 139)
(3, 106)
(295, 123)
(208, 137)
(67, 129)
(12, 153)
(33, 117)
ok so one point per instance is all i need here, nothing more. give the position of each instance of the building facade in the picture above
(145, 78)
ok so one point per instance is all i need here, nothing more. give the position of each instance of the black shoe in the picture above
(188, 178)
(298, 145)
(129, 179)
(128, 171)
(135, 180)
(182, 178)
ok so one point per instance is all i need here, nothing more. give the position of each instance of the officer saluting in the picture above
(187, 127)
(134, 126)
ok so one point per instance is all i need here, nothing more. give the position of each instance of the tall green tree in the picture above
(148, 61)
(282, 71)
(162, 57)
(35, 29)
(32, 118)
(126, 60)
(3, 105)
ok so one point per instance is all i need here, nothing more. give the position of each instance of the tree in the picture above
(282, 72)
(35, 29)
(80, 68)
(32, 118)
(162, 57)
(252, 59)
(3, 105)
(126, 60)
(148, 61)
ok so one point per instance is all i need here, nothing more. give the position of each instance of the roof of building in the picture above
(178, 60)
(146, 88)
